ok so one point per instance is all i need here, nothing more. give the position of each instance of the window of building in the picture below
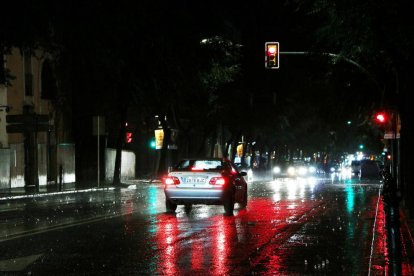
(28, 75)
(48, 86)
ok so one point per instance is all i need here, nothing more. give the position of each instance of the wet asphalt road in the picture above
(290, 227)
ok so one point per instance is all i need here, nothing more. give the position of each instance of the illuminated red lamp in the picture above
(381, 117)
(171, 180)
(217, 181)
(271, 49)
(128, 137)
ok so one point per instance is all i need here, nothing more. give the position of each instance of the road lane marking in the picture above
(373, 231)
(18, 264)
(58, 227)
(54, 193)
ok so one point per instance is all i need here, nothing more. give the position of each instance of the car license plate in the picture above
(195, 180)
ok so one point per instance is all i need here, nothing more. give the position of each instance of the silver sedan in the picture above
(205, 181)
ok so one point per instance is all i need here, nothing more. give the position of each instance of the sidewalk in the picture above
(407, 242)
(54, 189)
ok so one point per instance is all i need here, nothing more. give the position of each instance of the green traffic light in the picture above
(361, 146)
(152, 144)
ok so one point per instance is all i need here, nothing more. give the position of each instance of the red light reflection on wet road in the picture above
(380, 261)
(221, 245)
(290, 231)
(167, 234)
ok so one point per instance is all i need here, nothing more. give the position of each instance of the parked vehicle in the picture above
(356, 167)
(369, 169)
(205, 181)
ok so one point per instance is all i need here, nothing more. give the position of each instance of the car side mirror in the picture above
(243, 173)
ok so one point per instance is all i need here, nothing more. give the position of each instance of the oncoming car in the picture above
(292, 170)
(205, 181)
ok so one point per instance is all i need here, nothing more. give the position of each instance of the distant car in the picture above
(356, 167)
(369, 169)
(292, 169)
(334, 167)
(283, 170)
(312, 169)
(205, 181)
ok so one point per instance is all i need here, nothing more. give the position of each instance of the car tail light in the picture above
(171, 180)
(217, 181)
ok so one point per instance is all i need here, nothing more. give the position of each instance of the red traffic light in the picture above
(128, 137)
(381, 117)
(271, 49)
(272, 55)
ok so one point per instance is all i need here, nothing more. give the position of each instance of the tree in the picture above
(380, 36)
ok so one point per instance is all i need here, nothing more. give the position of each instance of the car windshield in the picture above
(199, 165)
(298, 163)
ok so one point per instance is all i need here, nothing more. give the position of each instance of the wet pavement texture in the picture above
(290, 227)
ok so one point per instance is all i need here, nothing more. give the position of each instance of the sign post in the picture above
(98, 130)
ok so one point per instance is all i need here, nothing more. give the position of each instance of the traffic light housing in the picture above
(272, 55)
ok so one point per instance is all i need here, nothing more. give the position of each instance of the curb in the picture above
(407, 243)
(20, 193)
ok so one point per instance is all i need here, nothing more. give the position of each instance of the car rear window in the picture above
(199, 165)
(369, 163)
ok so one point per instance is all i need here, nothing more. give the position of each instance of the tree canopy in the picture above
(201, 65)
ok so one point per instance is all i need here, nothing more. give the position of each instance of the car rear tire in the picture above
(243, 203)
(171, 207)
(228, 205)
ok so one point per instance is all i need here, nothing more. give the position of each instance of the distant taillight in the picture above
(171, 180)
(217, 181)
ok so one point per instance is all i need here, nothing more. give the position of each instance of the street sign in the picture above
(21, 128)
(24, 123)
(391, 135)
(27, 119)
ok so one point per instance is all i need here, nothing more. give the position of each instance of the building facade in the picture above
(30, 152)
